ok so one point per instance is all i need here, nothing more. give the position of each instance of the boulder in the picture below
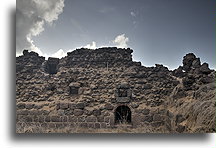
(187, 61)
(196, 63)
(25, 52)
(205, 68)
(188, 82)
(78, 112)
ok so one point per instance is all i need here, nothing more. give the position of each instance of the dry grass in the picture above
(121, 128)
(200, 111)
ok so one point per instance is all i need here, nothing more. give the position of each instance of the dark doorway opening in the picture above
(123, 115)
(52, 65)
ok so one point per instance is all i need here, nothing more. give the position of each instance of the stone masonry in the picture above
(102, 88)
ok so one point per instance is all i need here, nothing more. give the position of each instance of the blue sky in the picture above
(159, 31)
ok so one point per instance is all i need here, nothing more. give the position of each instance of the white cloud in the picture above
(121, 41)
(91, 45)
(59, 54)
(31, 15)
(133, 14)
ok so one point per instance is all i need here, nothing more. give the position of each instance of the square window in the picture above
(74, 90)
(122, 92)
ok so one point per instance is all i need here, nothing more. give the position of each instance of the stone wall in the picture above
(89, 85)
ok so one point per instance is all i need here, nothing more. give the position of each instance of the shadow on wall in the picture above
(73, 137)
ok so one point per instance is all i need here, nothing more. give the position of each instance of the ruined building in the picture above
(104, 89)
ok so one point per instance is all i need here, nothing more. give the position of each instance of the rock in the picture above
(187, 61)
(134, 105)
(205, 68)
(78, 112)
(157, 124)
(101, 80)
(29, 106)
(188, 82)
(148, 118)
(55, 119)
(206, 79)
(72, 105)
(96, 112)
(80, 105)
(97, 125)
(91, 119)
(180, 128)
(123, 85)
(179, 72)
(73, 119)
(179, 118)
(25, 52)
(147, 86)
(74, 84)
(157, 117)
(100, 118)
(64, 106)
(21, 105)
(108, 106)
(179, 93)
(145, 111)
(196, 63)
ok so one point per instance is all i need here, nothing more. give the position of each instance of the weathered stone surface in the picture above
(123, 99)
(80, 105)
(147, 86)
(148, 118)
(188, 60)
(64, 119)
(55, 119)
(21, 105)
(205, 68)
(64, 106)
(179, 72)
(108, 106)
(179, 118)
(41, 119)
(100, 118)
(180, 129)
(134, 105)
(91, 125)
(196, 63)
(157, 124)
(96, 112)
(74, 84)
(91, 119)
(84, 125)
(157, 117)
(72, 105)
(84, 88)
(78, 112)
(22, 112)
(47, 119)
(72, 119)
(29, 106)
(145, 111)
(97, 125)
(188, 82)
(27, 118)
(107, 119)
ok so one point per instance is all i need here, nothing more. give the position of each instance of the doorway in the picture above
(122, 115)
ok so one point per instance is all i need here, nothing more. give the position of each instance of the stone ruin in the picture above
(104, 89)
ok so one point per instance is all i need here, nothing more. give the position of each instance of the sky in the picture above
(158, 31)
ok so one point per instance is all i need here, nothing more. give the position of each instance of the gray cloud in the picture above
(31, 15)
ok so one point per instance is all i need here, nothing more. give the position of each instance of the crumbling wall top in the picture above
(105, 54)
